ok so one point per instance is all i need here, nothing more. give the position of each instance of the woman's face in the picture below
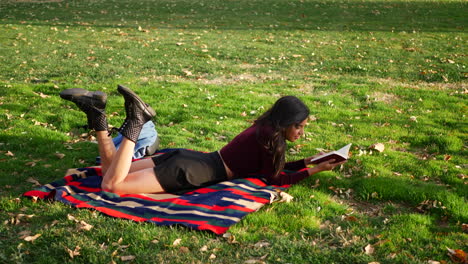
(295, 131)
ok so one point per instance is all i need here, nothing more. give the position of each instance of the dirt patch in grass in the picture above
(240, 78)
(384, 97)
(250, 66)
(378, 209)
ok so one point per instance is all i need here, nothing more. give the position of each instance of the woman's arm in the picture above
(292, 178)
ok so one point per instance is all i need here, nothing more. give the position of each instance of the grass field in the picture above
(371, 71)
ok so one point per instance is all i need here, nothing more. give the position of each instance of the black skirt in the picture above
(182, 170)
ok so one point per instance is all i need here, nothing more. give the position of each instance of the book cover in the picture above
(337, 155)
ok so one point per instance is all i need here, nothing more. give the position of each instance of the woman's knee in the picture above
(110, 186)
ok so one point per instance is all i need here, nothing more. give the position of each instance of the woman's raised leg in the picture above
(119, 177)
(106, 149)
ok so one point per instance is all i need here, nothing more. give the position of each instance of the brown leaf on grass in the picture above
(85, 226)
(261, 244)
(317, 184)
(142, 29)
(73, 253)
(177, 242)
(369, 249)
(31, 238)
(184, 250)
(231, 239)
(351, 218)
(457, 255)
(10, 154)
(60, 155)
(254, 261)
(71, 217)
(33, 181)
(447, 157)
(285, 197)
(127, 258)
(378, 146)
(464, 227)
(24, 234)
(204, 248)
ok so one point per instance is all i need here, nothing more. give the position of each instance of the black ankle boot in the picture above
(93, 104)
(138, 113)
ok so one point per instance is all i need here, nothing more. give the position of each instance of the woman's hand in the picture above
(307, 160)
(328, 165)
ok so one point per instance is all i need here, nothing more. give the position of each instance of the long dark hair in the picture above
(287, 111)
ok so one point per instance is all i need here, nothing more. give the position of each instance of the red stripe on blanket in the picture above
(112, 212)
(211, 207)
(84, 188)
(39, 194)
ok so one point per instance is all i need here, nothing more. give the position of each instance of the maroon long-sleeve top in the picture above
(245, 155)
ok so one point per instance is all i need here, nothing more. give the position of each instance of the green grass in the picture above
(375, 71)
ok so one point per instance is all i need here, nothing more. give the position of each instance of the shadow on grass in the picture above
(34, 156)
(432, 16)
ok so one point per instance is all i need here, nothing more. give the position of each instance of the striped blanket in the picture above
(214, 208)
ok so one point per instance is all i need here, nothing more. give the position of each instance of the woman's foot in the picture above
(93, 104)
(137, 111)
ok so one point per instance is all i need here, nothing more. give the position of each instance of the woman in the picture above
(258, 150)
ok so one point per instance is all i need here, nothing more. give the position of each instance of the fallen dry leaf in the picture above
(369, 249)
(71, 217)
(464, 227)
(457, 255)
(127, 258)
(285, 197)
(351, 218)
(10, 154)
(30, 164)
(230, 238)
(73, 253)
(261, 244)
(85, 226)
(177, 242)
(378, 146)
(212, 256)
(34, 181)
(254, 261)
(32, 238)
(317, 184)
(184, 250)
(204, 248)
(60, 155)
(24, 234)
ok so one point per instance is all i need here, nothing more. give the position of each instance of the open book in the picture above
(337, 155)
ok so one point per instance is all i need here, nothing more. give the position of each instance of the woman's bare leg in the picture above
(106, 148)
(118, 176)
(125, 176)
(120, 165)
